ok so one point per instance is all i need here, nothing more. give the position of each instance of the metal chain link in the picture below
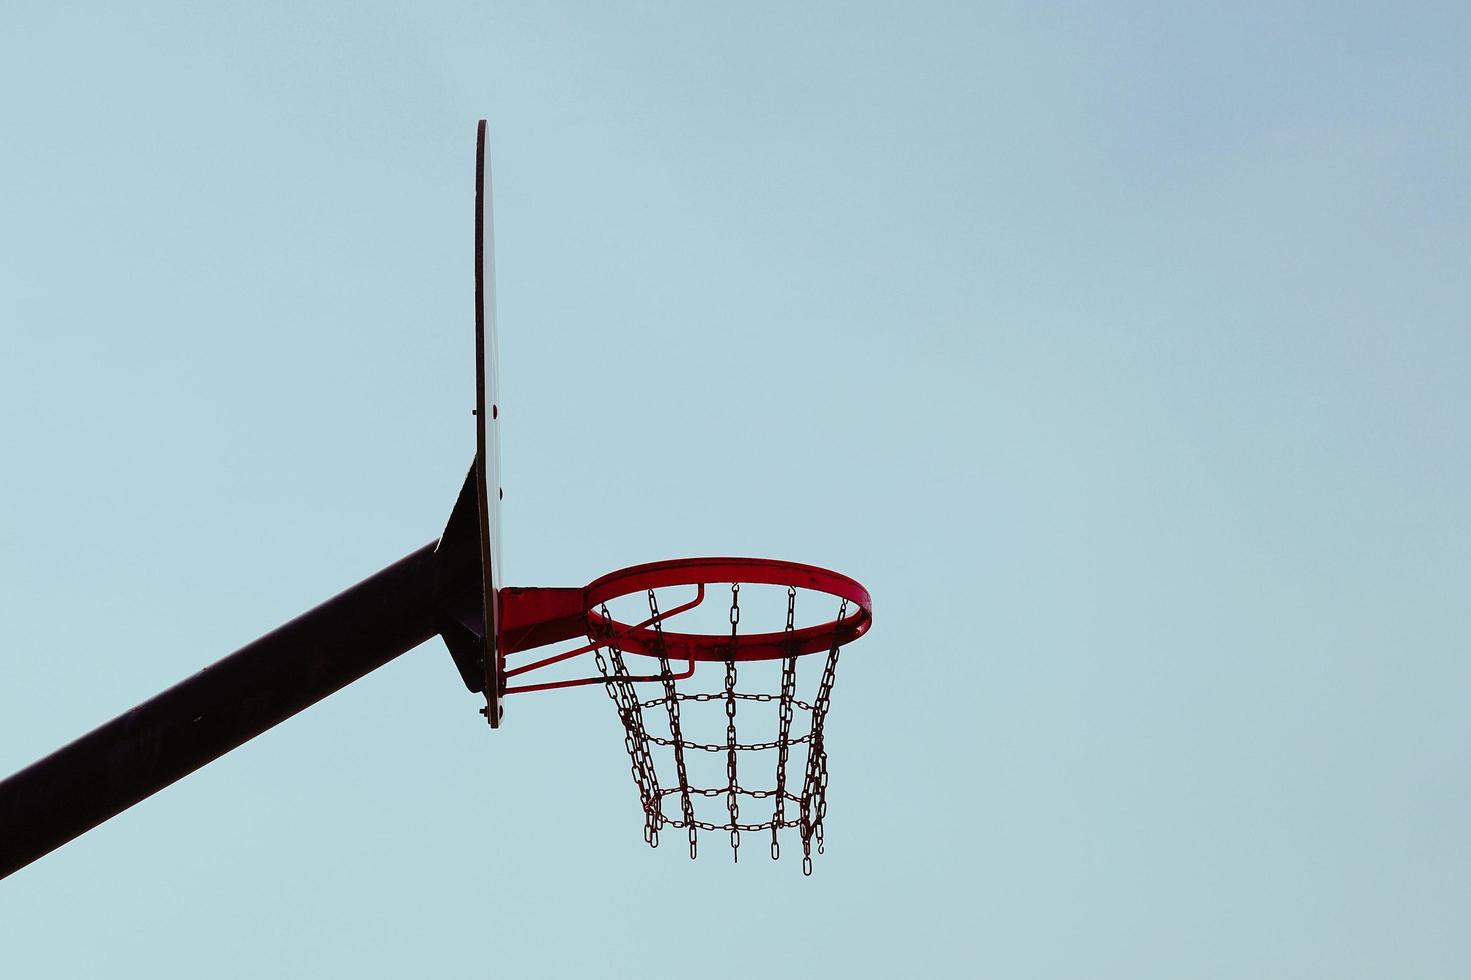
(759, 794)
(730, 716)
(810, 805)
(784, 721)
(723, 747)
(623, 695)
(814, 789)
(672, 701)
(740, 696)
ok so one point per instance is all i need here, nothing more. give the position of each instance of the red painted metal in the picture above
(528, 609)
(757, 571)
(587, 647)
(581, 681)
(536, 617)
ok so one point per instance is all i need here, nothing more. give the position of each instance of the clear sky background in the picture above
(1121, 350)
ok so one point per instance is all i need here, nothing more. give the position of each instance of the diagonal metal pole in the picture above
(226, 704)
(446, 588)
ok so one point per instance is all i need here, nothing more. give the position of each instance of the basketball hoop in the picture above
(661, 720)
(453, 587)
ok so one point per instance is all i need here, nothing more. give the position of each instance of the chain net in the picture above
(776, 804)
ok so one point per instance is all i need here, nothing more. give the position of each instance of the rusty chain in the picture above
(730, 730)
(814, 789)
(784, 722)
(666, 676)
(740, 696)
(623, 695)
(807, 808)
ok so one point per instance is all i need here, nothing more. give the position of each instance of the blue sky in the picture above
(1120, 352)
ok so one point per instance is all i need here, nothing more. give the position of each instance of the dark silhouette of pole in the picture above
(227, 703)
(446, 588)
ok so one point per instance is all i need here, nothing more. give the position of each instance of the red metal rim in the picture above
(717, 647)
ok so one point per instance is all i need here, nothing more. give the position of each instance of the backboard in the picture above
(487, 426)
(469, 548)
